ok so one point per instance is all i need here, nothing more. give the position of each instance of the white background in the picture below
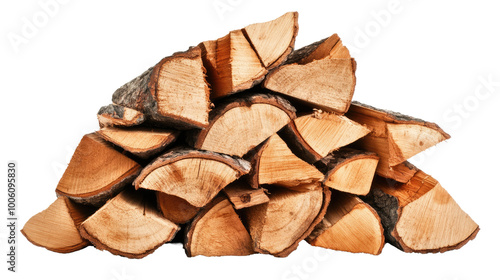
(426, 59)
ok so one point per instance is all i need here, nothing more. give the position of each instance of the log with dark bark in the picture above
(173, 93)
(117, 115)
(420, 216)
(96, 172)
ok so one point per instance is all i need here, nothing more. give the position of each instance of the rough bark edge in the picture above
(394, 117)
(333, 161)
(305, 51)
(296, 143)
(240, 165)
(145, 153)
(115, 113)
(189, 230)
(253, 156)
(198, 137)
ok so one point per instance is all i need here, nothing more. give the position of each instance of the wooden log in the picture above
(238, 125)
(420, 216)
(173, 92)
(274, 163)
(195, 176)
(242, 195)
(96, 172)
(289, 217)
(349, 225)
(313, 136)
(175, 209)
(56, 228)
(395, 138)
(218, 231)
(117, 115)
(141, 141)
(317, 78)
(349, 170)
(328, 47)
(274, 40)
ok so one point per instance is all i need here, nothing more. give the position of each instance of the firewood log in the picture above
(242, 195)
(117, 115)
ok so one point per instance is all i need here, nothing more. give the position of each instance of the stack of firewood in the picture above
(242, 145)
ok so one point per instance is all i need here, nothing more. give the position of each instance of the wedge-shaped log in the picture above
(173, 92)
(242, 195)
(239, 125)
(96, 172)
(141, 141)
(318, 79)
(274, 163)
(128, 225)
(218, 231)
(195, 176)
(395, 138)
(349, 225)
(313, 136)
(56, 228)
(349, 170)
(175, 209)
(420, 216)
(241, 59)
(278, 226)
(274, 40)
(117, 115)
(328, 47)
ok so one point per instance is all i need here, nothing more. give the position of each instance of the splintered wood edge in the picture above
(180, 153)
(99, 197)
(178, 121)
(393, 117)
(198, 217)
(246, 101)
(326, 201)
(142, 153)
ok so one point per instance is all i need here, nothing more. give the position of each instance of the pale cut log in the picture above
(274, 40)
(242, 195)
(218, 231)
(141, 141)
(173, 93)
(349, 170)
(349, 225)
(117, 115)
(328, 47)
(326, 83)
(273, 163)
(96, 172)
(240, 124)
(128, 225)
(193, 175)
(56, 228)
(289, 217)
(394, 137)
(313, 136)
(175, 209)
(420, 216)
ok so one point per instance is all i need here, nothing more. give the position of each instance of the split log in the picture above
(96, 172)
(56, 228)
(328, 47)
(195, 176)
(128, 225)
(274, 163)
(289, 217)
(242, 195)
(395, 138)
(218, 231)
(313, 136)
(241, 59)
(325, 82)
(140, 141)
(175, 209)
(349, 225)
(349, 170)
(239, 125)
(420, 216)
(274, 40)
(117, 115)
(173, 92)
